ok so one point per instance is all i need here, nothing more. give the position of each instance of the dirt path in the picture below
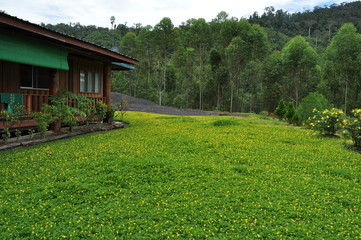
(141, 105)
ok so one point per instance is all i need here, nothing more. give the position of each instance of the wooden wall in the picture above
(76, 64)
(68, 80)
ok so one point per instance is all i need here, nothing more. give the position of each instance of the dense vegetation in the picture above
(183, 178)
(240, 65)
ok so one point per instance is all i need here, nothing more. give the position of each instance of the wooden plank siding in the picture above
(86, 65)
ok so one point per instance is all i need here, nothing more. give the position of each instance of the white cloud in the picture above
(98, 12)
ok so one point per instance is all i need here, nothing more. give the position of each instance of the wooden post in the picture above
(54, 83)
(107, 83)
(28, 104)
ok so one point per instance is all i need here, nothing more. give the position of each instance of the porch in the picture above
(16, 109)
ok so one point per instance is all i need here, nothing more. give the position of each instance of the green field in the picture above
(183, 178)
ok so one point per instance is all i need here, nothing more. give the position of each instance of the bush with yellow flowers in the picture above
(326, 122)
(352, 126)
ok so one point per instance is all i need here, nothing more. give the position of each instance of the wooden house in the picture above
(36, 62)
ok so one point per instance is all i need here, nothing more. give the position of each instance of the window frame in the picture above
(36, 77)
(89, 82)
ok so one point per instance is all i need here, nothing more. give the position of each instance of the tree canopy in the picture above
(239, 65)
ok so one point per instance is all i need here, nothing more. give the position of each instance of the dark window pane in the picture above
(43, 77)
(26, 76)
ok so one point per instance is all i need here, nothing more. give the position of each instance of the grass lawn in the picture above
(183, 178)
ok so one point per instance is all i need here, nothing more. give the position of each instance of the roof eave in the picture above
(63, 39)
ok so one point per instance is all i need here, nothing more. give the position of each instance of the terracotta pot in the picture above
(55, 126)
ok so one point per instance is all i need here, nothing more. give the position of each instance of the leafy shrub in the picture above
(122, 107)
(326, 122)
(5, 135)
(14, 116)
(264, 113)
(109, 116)
(59, 111)
(281, 109)
(17, 134)
(225, 122)
(101, 109)
(31, 133)
(352, 126)
(311, 101)
(290, 112)
(42, 123)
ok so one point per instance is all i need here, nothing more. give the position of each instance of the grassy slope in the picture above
(186, 178)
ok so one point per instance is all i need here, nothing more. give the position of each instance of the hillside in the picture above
(239, 65)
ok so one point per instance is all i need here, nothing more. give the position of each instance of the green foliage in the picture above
(5, 135)
(17, 134)
(225, 122)
(231, 65)
(14, 116)
(122, 109)
(344, 76)
(31, 133)
(101, 109)
(290, 112)
(59, 112)
(326, 122)
(42, 122)
(281, 109)
(111, 113)
(301, 66)
(255, 180)
(311, 101)
(352, 126)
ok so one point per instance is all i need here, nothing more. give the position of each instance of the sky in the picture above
(146, 12)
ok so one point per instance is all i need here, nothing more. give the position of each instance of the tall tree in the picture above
(274, 81)
(344, 52)
(236, 60)
(166, 42)
(301, 63)
(199, 38)
(112, 21)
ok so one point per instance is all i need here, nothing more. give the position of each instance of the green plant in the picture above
(101, 109)
(82, 103)
(110, 113)
(59, 112)
(31, 133)
(352, 126)
(42, 122)
(254, 180)
(311, 101)
(225, 122)
(326, 122)
(290, 113)
(14, 116)
(5, 135)
(122, 107)
(17, 134)
(281, 109)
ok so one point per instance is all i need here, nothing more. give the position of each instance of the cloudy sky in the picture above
(146, 12)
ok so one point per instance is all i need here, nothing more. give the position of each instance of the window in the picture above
(89, 82)
(35, 77)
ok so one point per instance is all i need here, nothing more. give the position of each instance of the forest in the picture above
(239, 65)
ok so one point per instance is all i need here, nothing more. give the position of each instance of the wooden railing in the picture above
(33, 103)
